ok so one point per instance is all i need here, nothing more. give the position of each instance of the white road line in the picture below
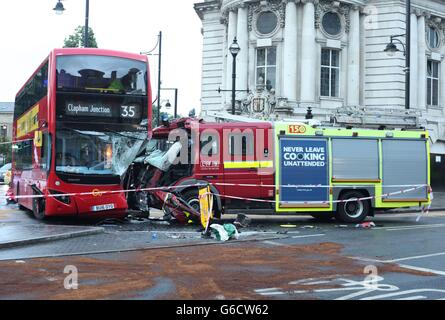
(266, 290)
(427, 226)
(440, 273)
(399, 293)
(412, 298)
(278, 293)
(273, 243)
(309, 236)
(416, 257)
(316, 282)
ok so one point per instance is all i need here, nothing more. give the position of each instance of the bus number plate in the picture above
(103, 207)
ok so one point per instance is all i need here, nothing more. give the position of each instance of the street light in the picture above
(59, 9)
(176, 99)
(234, 50)
(391, 49)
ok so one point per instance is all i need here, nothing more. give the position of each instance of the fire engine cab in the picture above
(285, 168)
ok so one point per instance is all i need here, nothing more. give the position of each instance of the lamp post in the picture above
(159, 54)
(234, 50)
(59, 9)
(391, 49)
(176, 99)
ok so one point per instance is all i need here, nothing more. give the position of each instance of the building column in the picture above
(290, 52)
(414, 52)
(421, 67)
(309, 54)
(242, 60)
(353, 98)
(231, 34)
(442, 85)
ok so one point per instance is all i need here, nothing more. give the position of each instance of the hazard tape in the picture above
(102, 192)
(425, 209)
(200, 185)
(386, 195)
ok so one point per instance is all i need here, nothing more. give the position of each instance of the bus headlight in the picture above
(60, 196)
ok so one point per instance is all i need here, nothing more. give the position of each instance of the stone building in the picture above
(6, 119)
(328, 55)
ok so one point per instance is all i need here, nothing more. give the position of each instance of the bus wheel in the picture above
(191, 197)
(38, 208)
(352, 210)
(323, 217)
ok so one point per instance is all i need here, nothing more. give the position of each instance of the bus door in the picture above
(241, 163)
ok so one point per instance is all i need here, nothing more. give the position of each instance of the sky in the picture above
(30, 29)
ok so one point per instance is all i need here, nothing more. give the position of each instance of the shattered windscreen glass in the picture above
(161, 153)
(96, 153)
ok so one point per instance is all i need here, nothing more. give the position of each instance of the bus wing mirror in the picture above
(38, 139)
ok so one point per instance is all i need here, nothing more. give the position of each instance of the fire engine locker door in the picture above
(241, 164)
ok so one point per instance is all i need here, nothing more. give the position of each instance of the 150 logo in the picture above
(297, 129)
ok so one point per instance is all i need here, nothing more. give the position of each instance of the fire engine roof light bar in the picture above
(59, 8)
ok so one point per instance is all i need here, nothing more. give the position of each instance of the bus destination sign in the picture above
(79, 109)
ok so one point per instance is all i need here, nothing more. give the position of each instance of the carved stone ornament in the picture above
(325, 6)
(276, 6)
(439, 25)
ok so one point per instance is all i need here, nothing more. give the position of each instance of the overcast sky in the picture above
(29, 29)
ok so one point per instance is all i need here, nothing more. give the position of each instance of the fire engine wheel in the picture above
(352, 210)
(38, 208)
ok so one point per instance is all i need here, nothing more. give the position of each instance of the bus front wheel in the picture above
(38, 208)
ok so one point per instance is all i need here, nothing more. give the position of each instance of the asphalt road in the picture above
(400, 259)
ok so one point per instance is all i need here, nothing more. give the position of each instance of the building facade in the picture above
(6, 120)
(327, 55)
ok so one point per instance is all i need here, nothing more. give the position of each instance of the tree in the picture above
(76, 40)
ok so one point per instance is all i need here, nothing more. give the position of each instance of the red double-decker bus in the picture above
(79, 122)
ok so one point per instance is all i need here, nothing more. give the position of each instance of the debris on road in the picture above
(309, 227)
(288, 226)
(242, 221)
(366, 225)
(225, 232)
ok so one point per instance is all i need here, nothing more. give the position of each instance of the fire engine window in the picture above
(241, 144)
(209, 145)
(355, 159)
(399, 158)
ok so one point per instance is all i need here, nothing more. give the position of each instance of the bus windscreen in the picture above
(101, 74)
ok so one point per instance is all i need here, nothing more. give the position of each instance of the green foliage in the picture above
(76, 40)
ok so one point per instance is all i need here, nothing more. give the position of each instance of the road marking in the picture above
(266, 290)
(440, 273)
(412, 298)
(415, 257)
(309, 236)
(406, 292)
(273, 243)
(317, 282)
(426, 226)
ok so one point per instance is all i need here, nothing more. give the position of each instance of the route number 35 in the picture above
(128, 111)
